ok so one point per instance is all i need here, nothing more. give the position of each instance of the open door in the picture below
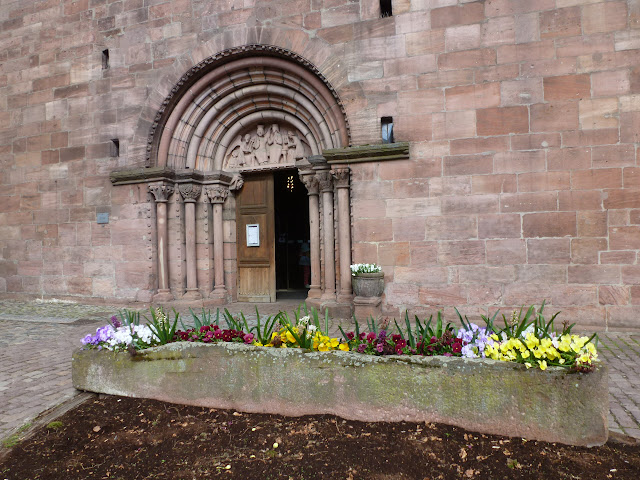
(256, 245)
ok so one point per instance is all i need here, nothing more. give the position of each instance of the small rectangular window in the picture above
(387, 129)
(105, 59)
(385, 8)
(115, 147)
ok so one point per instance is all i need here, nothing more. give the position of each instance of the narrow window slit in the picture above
(385, 8)
(387, 129)
(105, 59)
(115, 147)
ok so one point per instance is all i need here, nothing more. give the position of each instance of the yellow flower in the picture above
(258, 344)
(323, 347)
(344, 347)
(289, 337)
(543, 365)
(525, 354)
(334, 342)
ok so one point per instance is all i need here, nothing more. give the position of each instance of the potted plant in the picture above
(367, 279)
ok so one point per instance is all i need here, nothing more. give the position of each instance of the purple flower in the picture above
(361, 348)
(382, 335)
(115, 322)
(380, 347)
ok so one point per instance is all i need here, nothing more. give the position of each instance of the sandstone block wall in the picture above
(523, 118)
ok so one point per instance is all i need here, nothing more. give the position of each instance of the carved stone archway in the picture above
(248, 109)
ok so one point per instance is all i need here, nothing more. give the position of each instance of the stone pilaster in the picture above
(310, 181)
(325, 181)
(161, 194)
(341, 179)
(190, 193)
(217, 195)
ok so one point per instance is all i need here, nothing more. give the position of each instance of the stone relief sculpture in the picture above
(274, 142)
(266, 148)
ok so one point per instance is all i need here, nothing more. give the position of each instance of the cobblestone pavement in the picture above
(36, 341)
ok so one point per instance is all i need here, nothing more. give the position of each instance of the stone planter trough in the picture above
(480, 395)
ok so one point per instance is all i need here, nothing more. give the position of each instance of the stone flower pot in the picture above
(368, 284)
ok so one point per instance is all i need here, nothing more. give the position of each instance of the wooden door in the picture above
(256, 264)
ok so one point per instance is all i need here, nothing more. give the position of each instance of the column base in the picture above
(367, 307)
(219, 293)
(345, 298)
(163, 296)
(336, 310)
(328, 296)
(314, 292)
(192, 294)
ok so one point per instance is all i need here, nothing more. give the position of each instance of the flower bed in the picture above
(408, 375)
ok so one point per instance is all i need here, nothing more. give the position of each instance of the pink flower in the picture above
(248, 338)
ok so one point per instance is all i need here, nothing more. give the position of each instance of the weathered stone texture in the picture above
(480, 395)
(522, 118)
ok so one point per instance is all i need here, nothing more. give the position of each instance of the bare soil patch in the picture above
(124, 438)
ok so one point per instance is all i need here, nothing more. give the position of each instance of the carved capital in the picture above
(325, 180)
(310, 182)
(341, 176)
(190, 191)
(161, 192)
(217, 193)
(236, 183)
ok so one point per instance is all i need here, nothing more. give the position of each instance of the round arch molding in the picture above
(247, 109)
(219, 100)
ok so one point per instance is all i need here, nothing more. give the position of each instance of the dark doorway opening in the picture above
(293, 260)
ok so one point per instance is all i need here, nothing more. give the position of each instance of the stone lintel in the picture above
(165, 174)
(367, 153)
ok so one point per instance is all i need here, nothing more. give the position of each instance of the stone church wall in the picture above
(523, 116)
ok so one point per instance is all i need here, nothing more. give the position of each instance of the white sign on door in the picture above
(253, 235)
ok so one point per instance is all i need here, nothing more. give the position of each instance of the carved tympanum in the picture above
(271, 146)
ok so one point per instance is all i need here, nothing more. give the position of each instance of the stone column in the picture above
(310, 181)
(325, 180)
(217, 195)
(341, 176)
(161, 193)
(190, 193)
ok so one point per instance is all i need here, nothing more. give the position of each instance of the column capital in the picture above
(161, 192)
(325, 180)
(217, 193)
(341, 176)
(310, 182)
(190, 191)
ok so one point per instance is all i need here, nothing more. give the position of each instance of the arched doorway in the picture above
(234, 123)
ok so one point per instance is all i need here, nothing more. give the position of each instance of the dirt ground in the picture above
(123, 438)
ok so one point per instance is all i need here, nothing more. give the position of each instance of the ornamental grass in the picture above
(526, 337)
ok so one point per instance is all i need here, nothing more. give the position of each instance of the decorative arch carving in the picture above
(223, 98)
